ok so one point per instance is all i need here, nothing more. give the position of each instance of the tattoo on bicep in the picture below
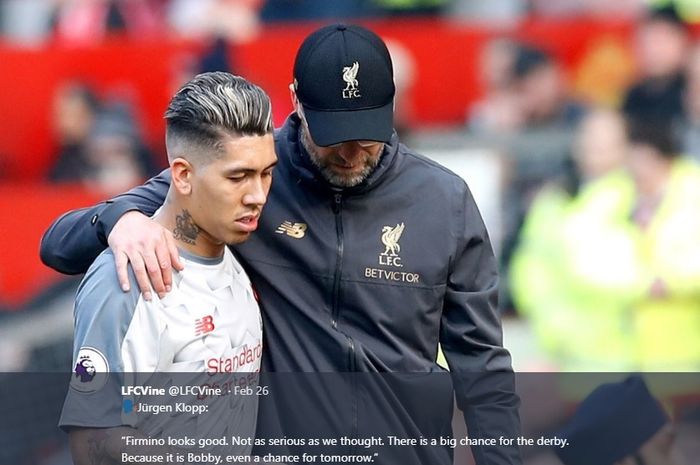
(185, 229)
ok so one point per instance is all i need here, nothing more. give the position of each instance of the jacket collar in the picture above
(292, 153)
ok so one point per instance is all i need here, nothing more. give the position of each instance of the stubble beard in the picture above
(332, 177)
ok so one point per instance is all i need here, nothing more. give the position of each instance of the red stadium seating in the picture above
(26, 210)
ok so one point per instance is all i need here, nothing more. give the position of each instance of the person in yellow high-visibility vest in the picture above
(641, 248)
(577, 332)
(610, 279)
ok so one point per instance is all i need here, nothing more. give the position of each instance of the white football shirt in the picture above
(209, 326)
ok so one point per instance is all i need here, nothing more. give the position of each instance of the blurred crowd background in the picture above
(575, 122)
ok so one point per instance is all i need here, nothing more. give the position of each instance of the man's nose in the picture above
(257, 193)
(350, 150)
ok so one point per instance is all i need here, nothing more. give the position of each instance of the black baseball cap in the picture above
(344, 79)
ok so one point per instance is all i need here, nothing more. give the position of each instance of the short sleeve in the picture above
(103, 314)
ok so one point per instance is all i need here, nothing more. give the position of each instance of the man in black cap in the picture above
(367, 257)
(618, 424)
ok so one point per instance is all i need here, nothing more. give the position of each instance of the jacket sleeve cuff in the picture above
(105, 220)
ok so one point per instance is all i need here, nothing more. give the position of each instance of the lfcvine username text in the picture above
(171, 391)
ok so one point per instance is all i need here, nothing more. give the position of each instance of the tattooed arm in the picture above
(108, 446)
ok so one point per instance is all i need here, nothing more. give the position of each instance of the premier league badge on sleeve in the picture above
(90, 370)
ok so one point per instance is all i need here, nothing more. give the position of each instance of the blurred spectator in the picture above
(525, 90)
(540, 146)
(498, 111)
(74, 109)
(638, 245)
(666, 214)
(217, 57)
(99, 146)
(234, 20)
(577, 332)
(619, 424)
(542, 90)
(662, 47)
(115, 157)
(221, 24)
(601, 145)
(84, 22)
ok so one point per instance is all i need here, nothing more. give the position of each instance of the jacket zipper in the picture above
(337, 210)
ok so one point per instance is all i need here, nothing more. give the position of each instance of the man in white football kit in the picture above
(221, 153)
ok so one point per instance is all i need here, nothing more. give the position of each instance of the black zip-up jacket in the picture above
(367, 279)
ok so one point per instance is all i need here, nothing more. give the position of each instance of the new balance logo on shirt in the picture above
(204, 325)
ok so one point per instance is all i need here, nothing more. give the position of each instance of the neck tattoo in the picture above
(185, 229)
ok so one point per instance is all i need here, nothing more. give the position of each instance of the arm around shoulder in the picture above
(75, 239)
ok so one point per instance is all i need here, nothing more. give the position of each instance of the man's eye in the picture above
(237, 178)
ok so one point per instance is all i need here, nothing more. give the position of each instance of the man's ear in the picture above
(182, 171)
(295, 100)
